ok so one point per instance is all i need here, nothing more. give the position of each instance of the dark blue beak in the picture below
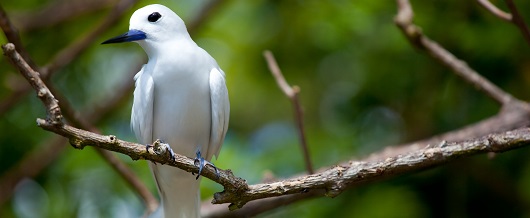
(132, 35)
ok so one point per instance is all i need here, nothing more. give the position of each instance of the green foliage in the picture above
(363, 87)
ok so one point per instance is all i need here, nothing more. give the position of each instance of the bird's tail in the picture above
(179, 191)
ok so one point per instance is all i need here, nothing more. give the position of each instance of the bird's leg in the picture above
(160, 147)
(201, 163)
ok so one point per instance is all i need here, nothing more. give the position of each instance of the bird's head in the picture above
(152, 24)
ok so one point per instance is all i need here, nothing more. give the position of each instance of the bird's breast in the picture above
(182, 111)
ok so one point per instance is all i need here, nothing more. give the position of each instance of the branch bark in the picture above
(339, 178)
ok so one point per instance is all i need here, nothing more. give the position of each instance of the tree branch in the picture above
(292, 95)
(335, 180)
(486, 4)
(518, 20)
(413, 33)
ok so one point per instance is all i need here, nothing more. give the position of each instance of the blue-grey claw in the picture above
(201, 163)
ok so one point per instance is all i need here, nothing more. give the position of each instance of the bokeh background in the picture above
(363, 87)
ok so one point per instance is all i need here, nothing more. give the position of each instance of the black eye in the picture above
(154, 17)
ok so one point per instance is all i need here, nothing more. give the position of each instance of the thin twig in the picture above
(292, 95)
(413, 33)
(486, 4)
(518, 20)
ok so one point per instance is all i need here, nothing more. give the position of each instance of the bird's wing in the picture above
(220, 111)
(142, 109)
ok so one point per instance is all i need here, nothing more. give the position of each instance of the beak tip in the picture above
(132, 35)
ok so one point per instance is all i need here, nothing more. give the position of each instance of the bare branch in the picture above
(292, 95)
(515, 17)
(335, 180)
(495, 11)
(52, 106)
(413, 33)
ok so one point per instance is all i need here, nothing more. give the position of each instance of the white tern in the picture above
(180, 98)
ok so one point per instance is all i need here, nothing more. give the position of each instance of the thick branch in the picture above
(80, 138)
(335, 180)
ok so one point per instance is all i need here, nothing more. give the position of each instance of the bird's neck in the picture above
(153, 48)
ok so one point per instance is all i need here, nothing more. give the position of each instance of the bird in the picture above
(180, 97)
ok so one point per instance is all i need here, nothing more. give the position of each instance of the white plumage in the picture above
(180, 98)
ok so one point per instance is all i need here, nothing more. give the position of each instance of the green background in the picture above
(363, 87)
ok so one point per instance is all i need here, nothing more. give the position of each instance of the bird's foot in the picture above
(159, 147)
(201, 163)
